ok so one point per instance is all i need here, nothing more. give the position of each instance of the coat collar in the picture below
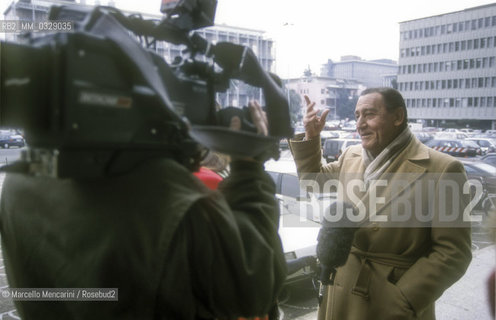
(414, 151)
(405, 167)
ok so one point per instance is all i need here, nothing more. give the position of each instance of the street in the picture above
(9, 155)
(467, 299)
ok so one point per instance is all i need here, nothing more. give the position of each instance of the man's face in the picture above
(377, 127)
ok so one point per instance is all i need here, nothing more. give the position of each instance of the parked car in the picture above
(450, 135)
(486, 175)
(422, 136)
(484, 172)
(283, 143)
(333, 148)
(9, 140)
(298, 227)
(326, 134)
(456, 148)
(489, 158)
(350, 135)
(487, 145)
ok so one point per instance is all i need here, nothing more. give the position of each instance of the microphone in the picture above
(334, 241)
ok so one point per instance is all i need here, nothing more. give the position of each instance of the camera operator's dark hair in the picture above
(392, 100)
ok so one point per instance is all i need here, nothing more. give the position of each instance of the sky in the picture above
(308, 33)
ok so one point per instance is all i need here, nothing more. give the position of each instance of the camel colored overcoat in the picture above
(396, 272)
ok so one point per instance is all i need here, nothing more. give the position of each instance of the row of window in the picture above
(452, 65)
(489, 102)
(448, 47)
(469, 83)
(462, 26)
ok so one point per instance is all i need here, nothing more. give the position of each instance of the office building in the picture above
(447, 68)
(372, 73)
(328, 93)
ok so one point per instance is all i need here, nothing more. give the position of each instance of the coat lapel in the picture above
(404, 169)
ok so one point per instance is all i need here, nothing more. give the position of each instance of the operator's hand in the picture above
(313, 124)
(259, 119)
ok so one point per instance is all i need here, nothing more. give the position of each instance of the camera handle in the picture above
(240, 62)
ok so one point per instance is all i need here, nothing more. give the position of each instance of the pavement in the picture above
(468, 298)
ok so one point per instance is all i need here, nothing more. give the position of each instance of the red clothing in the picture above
(209, 177)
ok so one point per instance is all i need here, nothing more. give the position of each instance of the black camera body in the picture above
(94, 101)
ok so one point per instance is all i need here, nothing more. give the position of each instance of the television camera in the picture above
(98, 100)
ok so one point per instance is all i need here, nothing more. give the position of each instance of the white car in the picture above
(487, 145)
(299, 222)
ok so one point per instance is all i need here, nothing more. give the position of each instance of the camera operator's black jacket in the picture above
(174, 249)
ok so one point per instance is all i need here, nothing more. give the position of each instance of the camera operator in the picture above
(173, 248)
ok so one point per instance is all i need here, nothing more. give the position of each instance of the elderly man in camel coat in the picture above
(393, 271)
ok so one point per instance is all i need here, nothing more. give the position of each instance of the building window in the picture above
(478, 63)
(458, 102)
